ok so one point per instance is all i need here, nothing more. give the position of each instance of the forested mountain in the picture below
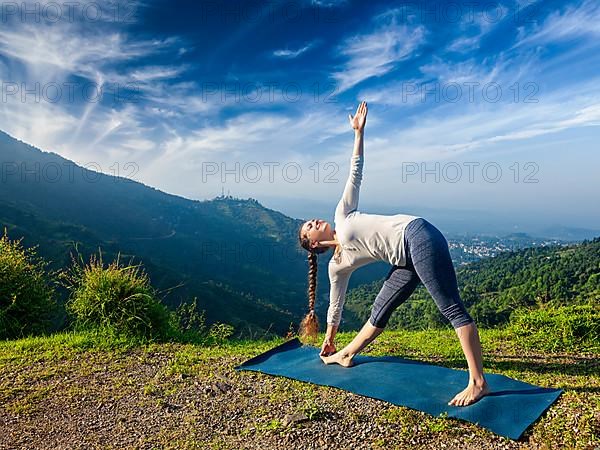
(240, 259)
(494, 287)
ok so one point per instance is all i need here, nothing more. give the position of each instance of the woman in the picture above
(417, 251)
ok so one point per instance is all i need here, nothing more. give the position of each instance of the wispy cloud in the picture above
(474, 26)
(475, 127)
(305, 140)
(279, 136)
(574, 21)
(290, 54)
(66, 48)
(375, 53)
(442, 79)
(82, 61)
(328, 3)
(151, 73)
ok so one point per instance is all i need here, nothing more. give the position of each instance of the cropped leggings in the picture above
(428, 261)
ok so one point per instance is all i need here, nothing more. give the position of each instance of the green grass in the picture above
(29, 368)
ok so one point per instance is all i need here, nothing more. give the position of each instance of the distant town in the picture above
(468, 248)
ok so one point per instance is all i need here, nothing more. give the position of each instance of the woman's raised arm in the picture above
(349, 201)
(358, 122)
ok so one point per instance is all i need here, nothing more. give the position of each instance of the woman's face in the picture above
(317, 230)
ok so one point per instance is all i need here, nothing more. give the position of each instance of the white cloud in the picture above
(43, 53)
(290, 54)
(498, 68)
(571, 23)
(65, 48)
(328, 3)
(476, 24)
(151, 73)
(447, 131)
(376, 53)
(305, 138)
(259, 134)
(464, 44)
(441, 80)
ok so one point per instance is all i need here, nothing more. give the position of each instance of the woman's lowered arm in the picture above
(338, 280)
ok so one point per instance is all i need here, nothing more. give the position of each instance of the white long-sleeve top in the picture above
(364, 238)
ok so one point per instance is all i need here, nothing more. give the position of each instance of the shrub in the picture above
(564, 328)
(117, 298)
(188, 319)
(220, 332)
(189, 325)
(27, 303)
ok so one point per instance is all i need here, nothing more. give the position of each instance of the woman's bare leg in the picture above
(430, 256)
(344, 357)
(471, 346)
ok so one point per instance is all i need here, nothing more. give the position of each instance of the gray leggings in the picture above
(428, 261)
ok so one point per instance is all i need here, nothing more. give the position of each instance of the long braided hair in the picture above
(309, 327)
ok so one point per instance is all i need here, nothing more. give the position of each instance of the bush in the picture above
(188, 319)
(27, 303)
(564, 328)
(219, 333)
(118, 299)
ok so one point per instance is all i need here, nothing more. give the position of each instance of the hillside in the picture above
(240, 259)
(70, 391)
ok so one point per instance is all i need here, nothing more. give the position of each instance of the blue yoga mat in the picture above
(512, 406)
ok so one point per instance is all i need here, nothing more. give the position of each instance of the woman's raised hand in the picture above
(360, 118)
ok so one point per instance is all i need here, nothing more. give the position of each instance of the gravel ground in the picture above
(144, 399)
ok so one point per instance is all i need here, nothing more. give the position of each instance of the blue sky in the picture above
(507, 90)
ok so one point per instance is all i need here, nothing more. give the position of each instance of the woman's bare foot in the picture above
(338, 358)
(472, 393)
